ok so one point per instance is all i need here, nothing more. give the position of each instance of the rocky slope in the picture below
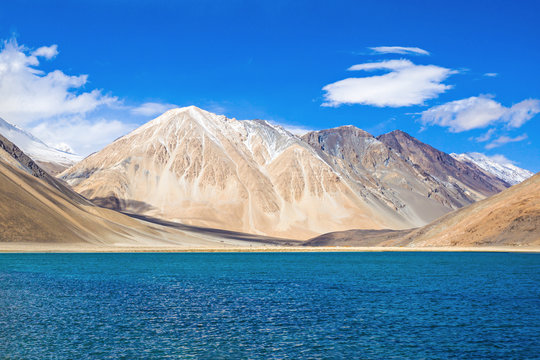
(510, 218)
(418, 181)
(503, 170)
(51, 160)
(477, 183)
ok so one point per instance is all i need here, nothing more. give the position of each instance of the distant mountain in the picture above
(442, 166)
(510, 218)
(203, 169)
(502, 169)
(418, 181)
(50, 159)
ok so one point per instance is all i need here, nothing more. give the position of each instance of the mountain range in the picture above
(203, 169)
(504, 169)
(190, 172)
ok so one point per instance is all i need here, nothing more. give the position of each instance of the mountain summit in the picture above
(203, 169)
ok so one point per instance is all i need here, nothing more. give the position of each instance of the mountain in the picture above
(198, 168)
(510, 218)
(444, 167)
(504, 170)
(50, 159)
(38, 212)
(418, 181)
(203, 169)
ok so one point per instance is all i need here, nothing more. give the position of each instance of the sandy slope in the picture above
(510, 218)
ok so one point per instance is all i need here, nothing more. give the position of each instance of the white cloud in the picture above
(48, 52)
(152, 108)
(521, 112)
(85, 136)
(406, 84)
(479, 112)
(399, 50)
(491, 74)
(28, 94)
(505, 140)
(485, 137)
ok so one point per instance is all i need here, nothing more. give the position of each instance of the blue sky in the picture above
(476, 90)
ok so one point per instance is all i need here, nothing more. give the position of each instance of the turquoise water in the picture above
(288, 305)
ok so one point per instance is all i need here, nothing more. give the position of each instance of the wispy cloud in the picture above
(491, 74)
(399, 50)
(500, 141)
(405, 84)
(152, 108)
(298, 130)
(479, 112)
(484, 137)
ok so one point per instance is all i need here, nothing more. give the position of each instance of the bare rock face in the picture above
(418, 181)
(443, 166)
(198, 168)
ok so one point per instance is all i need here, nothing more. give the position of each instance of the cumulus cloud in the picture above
(152, 108)
(56, 107)
(505, 140)
(404, 84)
(28, 94)
(479, 112)
(399, 50)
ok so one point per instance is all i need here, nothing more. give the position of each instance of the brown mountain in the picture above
(418, 181)
(510, 218)
(467, 176)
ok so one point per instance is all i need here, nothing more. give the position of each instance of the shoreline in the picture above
(45, 248)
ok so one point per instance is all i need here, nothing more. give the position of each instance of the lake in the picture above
(270, 305)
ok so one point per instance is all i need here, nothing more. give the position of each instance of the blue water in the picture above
(289, 305)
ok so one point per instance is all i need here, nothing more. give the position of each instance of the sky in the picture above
(462, 76)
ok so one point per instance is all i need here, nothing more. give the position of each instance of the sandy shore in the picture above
(84, 248)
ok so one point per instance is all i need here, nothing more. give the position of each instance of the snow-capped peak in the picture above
(497, 165)
(37, 149)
